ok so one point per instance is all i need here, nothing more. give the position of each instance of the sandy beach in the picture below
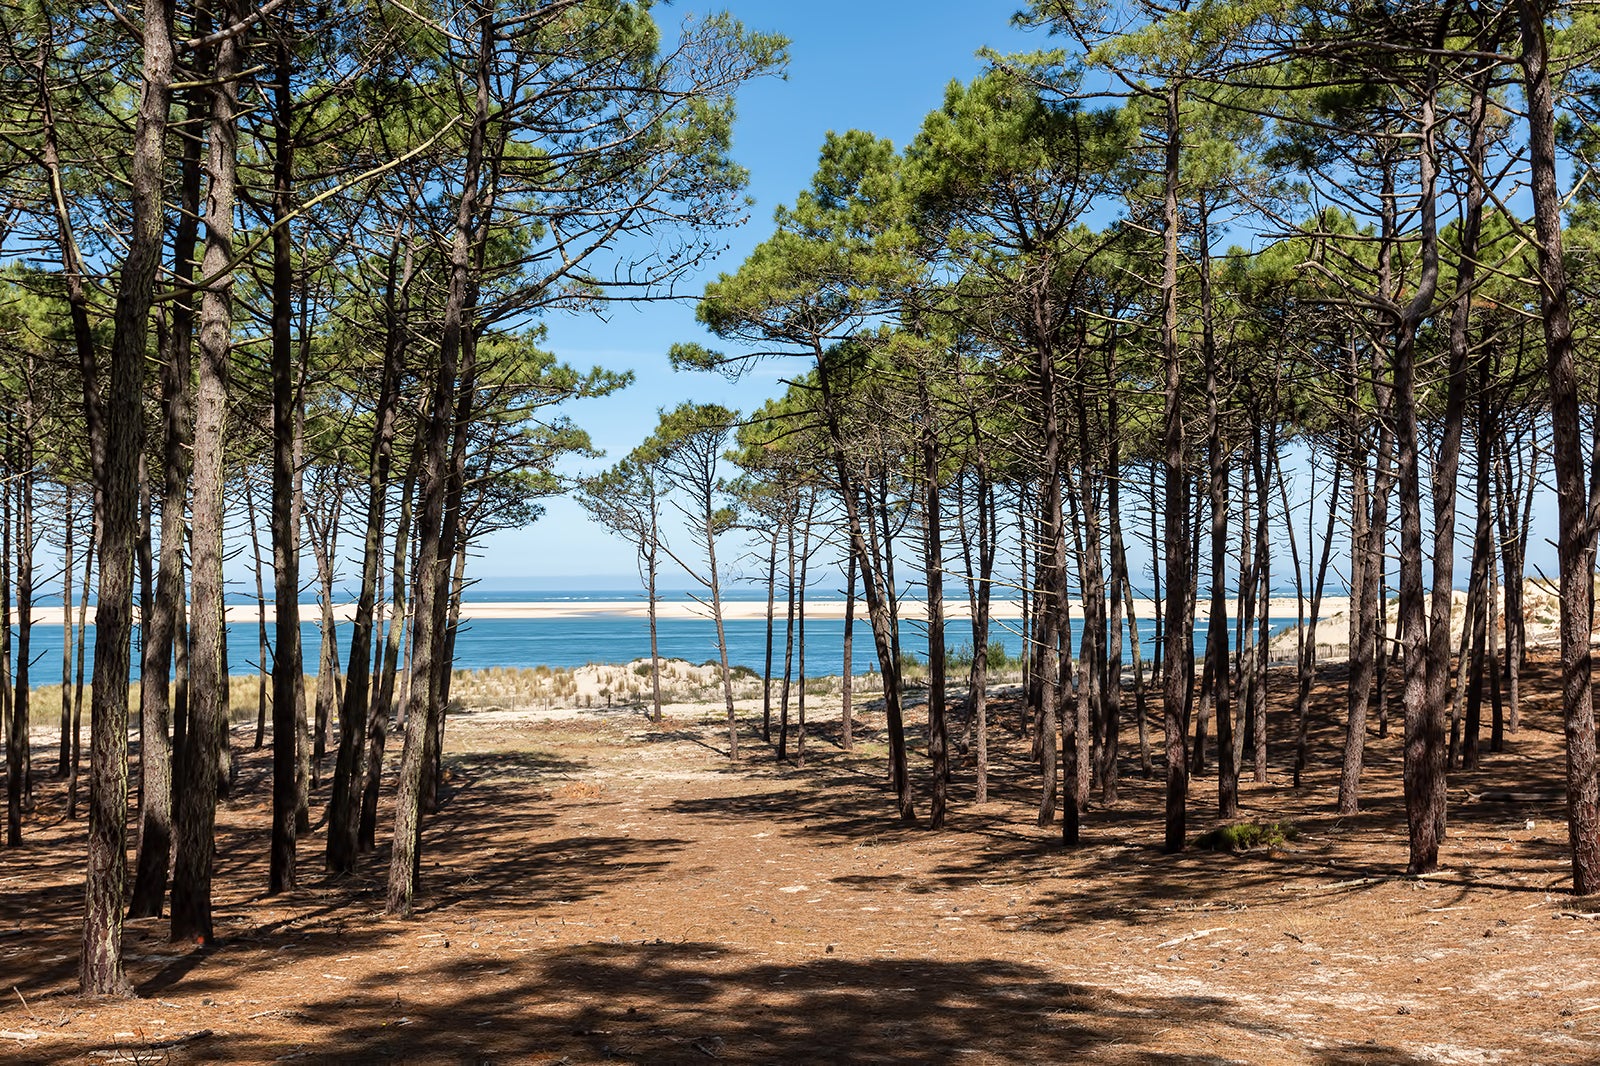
(911, 610)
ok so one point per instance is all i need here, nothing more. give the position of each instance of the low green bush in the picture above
(1247, 836)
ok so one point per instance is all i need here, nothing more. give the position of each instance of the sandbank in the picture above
(733, 610)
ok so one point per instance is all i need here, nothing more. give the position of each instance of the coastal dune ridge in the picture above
(734, 610)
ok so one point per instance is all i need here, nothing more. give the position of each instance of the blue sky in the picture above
(867, 64)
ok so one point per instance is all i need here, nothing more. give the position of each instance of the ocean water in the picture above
(575, 641)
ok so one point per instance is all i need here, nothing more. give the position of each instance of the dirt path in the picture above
(597, 891)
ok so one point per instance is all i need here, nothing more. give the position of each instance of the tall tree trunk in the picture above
(288, 673)
(788, 645)
(13, 730)
(933, 576)
(846, 711)
(982, 591)
(77, 680)
(290, 537)
(64, 757)
(1369, 607)
(1575, 501)
(1264, 462)
(873, 589)
(199, 761)
(324, 548)
(155, 730)
(261, 617)
(1513, 548)
(800, 665)
(1427, 654)
(344, 811)
(766, 670)
(1111, 748)
(1217, 624)
(652, 561)
(722, 637)
(117, 441)
(383, 701)
(405, 858)
(18, 762)
(1180, 658)
(1308, 648)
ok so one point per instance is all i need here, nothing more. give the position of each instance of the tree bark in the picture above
(1575, 503)
(1426, 655)
(766, 671)
(933, 576)
(344, 812)
(64, 757)
(117, 441)
(288, 673)
(262, 650)
(405, 858)
(199, 760)
(17, 750)
(847, 722)
(1180, 659)
(1217, 651)
(383, 701)
(330, 682)
(873, 589)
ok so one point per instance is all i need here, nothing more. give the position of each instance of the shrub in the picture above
(1247, 836)
(995, 655)
(910, 666)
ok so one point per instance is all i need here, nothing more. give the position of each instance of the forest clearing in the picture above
(603, 889)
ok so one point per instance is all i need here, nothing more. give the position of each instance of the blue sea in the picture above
(575, 641)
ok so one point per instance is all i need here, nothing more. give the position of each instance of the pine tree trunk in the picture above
(17, 750)
(77, 681)
(344, 812)
(1574, 503)
(766, 670)
(288, 680)
(200, 758)
(878, 609)
(64, 757)
(383, 702)
(155, 731)
(1111, 748)
(262, 667)
(788, 647)
(289, 535)
(1427, 642)
(116, 442)
(982, 595)
(1308, 650)
(1179, 658)
(405, 858)
(933, 577)
(324, 549)
(847, 721)
(1217, 652)
(800, 664)
(14, 731)
(655, 651)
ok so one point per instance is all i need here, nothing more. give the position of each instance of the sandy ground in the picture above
(600, 889)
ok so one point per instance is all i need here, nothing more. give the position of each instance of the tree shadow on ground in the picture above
(694, 1002)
